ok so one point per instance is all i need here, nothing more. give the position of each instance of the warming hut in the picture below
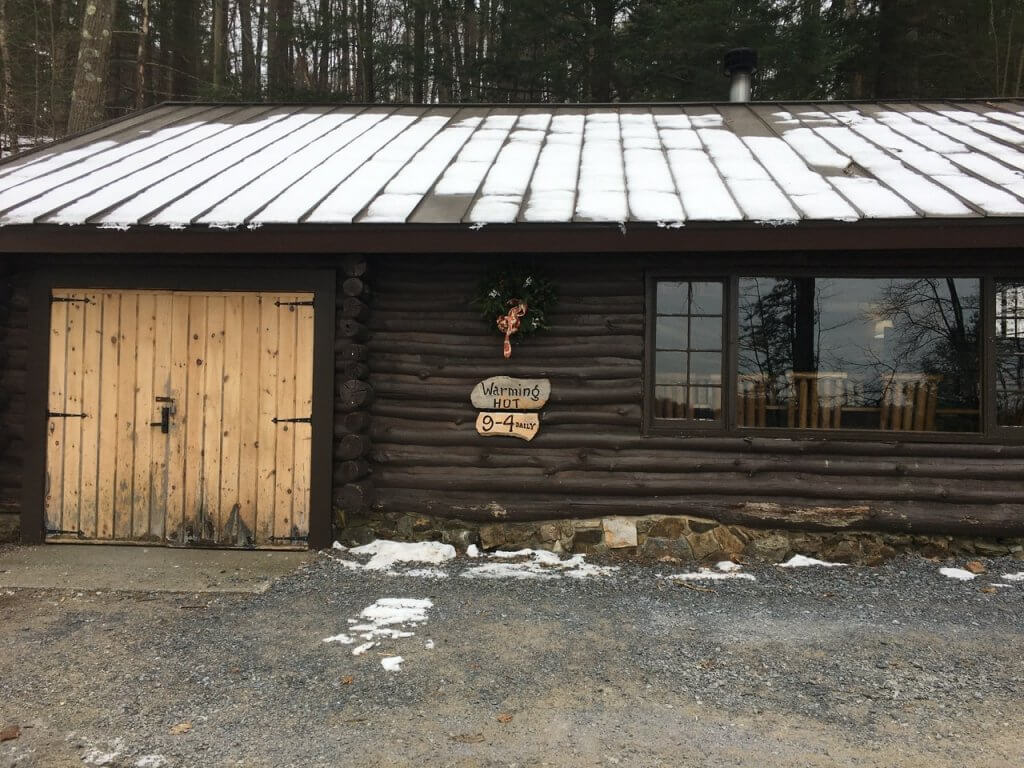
(233, 325)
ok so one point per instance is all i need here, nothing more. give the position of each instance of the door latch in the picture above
(165, 415)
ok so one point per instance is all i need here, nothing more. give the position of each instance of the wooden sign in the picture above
(511, 394)
(525, 426)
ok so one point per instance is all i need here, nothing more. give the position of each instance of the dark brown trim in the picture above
(739, 237)
(320, 282)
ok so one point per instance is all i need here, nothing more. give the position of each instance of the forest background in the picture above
(68, 64)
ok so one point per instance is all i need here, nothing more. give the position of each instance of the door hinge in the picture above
(56, 415)
(305, 420)
(61, 532)
(293, 303)
(68, 299)
(288, 539)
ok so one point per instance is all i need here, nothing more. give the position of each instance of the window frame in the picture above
(653, 426)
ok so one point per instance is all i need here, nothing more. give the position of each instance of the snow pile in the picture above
(385, 554)
(1018, 576)
(535, 564)
(392, 663)
(801, 561)
(387, 618)
(957, 573)
(723, 571)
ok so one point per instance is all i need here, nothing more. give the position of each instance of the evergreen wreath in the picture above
(503, 294)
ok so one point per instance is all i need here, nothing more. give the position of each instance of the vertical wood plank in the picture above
(92, 351)
(231, 433)
(54, 499)
(267, 452)
(162, 386)
(195, 515)
(70, 519)
(146, 412)
(107, 460)
(303, 408)
(249, 418)
(213, 426)
(180, 367)
(126, 430)
(285, 457)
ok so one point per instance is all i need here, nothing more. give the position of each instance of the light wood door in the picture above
(180, 418)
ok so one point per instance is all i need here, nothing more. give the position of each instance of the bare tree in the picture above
(89, 93)
(140, 58)
(9, 131)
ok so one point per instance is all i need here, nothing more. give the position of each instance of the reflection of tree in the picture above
(1010, 353)
(935, 332)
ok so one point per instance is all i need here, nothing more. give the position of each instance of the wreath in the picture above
(515, 301)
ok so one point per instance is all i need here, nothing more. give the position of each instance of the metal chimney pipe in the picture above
(740, 65)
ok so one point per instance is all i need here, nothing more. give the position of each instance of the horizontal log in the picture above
(458, 367)
(355, 265)
(351, 369)
(387, 386)
(353, 287)
(447, 302)
(355, 497)
(346, 349)
(351, 329)
(357, 421)
(350, 471)
(783, 512)
(394, 340)
(475, 327)
(564, 438)
(354, 308)
(411, 320)
(523, 352)
(353, 446)
(625, 283)
(552, 415)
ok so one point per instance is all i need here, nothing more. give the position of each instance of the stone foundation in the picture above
(671, 538)
(10, 528)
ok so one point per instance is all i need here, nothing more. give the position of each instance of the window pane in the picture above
(706, 299)
(705, 403)
(1009, 353)
(850, 353)
(705, 367)
(670, 367)
(670, 402)
(706, 333)
(671, 333)
(672, 298)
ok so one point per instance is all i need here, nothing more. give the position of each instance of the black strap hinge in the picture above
(69, 299)
(293, 303)
(56, 415)
(305, 420)
(288, 539)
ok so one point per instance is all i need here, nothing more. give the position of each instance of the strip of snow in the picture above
(151, 761)
(386, 553)
(728, 566)
(802, 561)
(342, 638)
(339, 546)
(706, 574)
(359, 650)
(538, 564)
(1018, 576)
(392, 663)
(957, 573)
(422, 573)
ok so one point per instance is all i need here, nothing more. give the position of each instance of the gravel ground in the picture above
(890, 666)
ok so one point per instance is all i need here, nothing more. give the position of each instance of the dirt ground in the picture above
(891, 666)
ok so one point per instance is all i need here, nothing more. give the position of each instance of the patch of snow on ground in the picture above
(386, 553)
(392, 663)
(728, 566)
(802, 561)
(472, 551)
(359, 650)
(957, 573)
(93, 755)
(423, 573)
(339, 546)
(151, 761)
(1018, 576)
(536, 564)
(429, 645)
(342, 638)
(706, 574)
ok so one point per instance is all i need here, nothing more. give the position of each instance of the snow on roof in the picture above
(243, 165)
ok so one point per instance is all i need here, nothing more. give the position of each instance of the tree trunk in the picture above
(279, 33)
(140, 57)
(8, 130)
(220, 44)
(601, 74)
(249, 85)
(326, 43)
(366, 70)
(90, 90)
(419, 53)
(346, 46)
(184, 48)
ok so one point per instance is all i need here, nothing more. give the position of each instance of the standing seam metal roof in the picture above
(229, 165)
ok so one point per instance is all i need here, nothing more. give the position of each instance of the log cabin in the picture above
(235, 324)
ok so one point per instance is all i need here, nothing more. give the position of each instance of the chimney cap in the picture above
(740, 60)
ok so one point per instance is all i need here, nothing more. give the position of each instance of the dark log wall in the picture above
(13, 359)
(427, 348)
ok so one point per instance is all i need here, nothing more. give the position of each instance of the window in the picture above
(688, 350)
(839, 353)
(1009, 353)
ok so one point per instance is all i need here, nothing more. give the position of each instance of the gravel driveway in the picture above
(889, 666)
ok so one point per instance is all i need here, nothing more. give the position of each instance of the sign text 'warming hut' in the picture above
(506, 393)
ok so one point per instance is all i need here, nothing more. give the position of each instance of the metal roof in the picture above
(187, 165)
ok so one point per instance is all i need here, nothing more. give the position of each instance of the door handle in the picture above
(165, 420)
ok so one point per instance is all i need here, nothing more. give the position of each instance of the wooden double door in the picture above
(180, 418)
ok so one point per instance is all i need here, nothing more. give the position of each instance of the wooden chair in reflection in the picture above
(703, 397)
(909, 401)
(816, 399)
(752, 395)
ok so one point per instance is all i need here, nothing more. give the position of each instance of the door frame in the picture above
(248, 278)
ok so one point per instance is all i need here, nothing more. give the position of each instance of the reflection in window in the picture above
(1010, 353)
(688, 350)
(889, 354)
